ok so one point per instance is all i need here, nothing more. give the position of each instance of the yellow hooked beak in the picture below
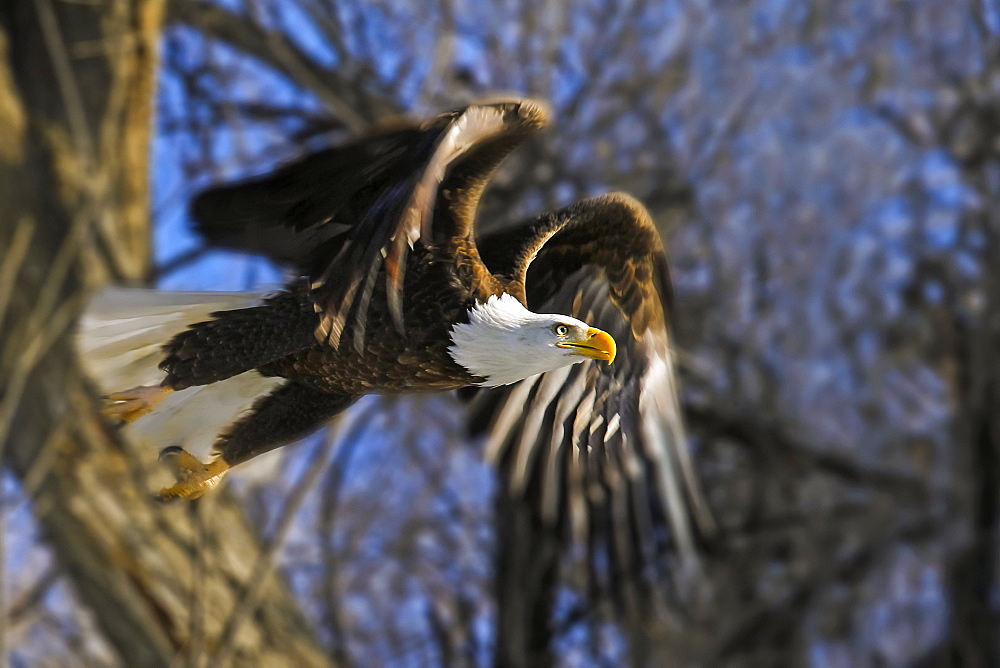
(598, 345)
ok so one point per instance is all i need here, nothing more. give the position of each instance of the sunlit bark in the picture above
(76, 96)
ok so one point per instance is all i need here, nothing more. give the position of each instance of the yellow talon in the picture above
(130, 405)
(193, 477)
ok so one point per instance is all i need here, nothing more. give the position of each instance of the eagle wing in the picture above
(598, 450)
(344, 215)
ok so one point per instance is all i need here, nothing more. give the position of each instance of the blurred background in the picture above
(826, 176)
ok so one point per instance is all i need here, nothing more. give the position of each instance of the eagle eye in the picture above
(561, 330)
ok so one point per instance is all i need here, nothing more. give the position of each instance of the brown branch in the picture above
(357, 422)
(10, 262)
(749, 428)
(265, 562)
(343, 97)
(66, 81)
(775, 616)
(33, 596)
(437, 73)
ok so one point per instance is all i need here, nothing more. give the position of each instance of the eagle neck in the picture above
(473, 272)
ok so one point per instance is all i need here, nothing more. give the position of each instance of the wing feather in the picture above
(345, 216)
(536, 424)
(560, 463)
(600, 450)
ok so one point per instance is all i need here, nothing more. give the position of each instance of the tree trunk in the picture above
(76, 100)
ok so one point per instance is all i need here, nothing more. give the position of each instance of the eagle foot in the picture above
(130, 405)
(193, 477)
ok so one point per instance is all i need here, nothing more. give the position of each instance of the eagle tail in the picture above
(120, 344)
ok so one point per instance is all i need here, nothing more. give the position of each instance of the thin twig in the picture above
(4, 658)
(33, 596)
(247, 605)
(32, 480)
(17, 379)
(180, 261)
(278, 51)
(442, 55)
(198, 512)
(11, 263)
(333, 485)
(747, 428)
(66, 81)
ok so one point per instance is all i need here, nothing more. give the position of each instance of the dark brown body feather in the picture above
(278, 337)
(390, 362)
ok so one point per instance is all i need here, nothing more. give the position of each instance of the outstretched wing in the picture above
(344, 215)
(599, 450)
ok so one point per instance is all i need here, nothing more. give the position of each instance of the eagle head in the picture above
(504, 342)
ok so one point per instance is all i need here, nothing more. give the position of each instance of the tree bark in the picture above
(76, 106)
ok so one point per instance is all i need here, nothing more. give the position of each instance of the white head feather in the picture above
(504, 342)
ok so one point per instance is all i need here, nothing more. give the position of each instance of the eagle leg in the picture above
(292, 411)
(193, 477)
(130, 405)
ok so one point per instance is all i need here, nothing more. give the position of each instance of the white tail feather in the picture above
(120, 341)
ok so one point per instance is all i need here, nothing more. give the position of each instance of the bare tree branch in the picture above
(280, 52)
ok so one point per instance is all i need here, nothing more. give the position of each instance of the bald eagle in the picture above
(563, 316)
